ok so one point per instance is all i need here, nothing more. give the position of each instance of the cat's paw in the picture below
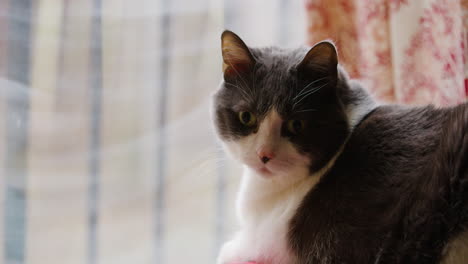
(229, 253)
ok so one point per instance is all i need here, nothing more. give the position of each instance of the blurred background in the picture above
(107, 152)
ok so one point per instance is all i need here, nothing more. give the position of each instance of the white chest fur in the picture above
(264, 208)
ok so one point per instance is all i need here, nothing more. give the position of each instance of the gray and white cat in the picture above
(330, 176)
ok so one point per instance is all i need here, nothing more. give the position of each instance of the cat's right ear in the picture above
(320, 61)
(237, 59)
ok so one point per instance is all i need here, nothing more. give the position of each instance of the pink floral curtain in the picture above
(404, 51)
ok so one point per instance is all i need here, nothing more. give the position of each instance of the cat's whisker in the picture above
(245, 94)
(238, 74)
(242, 91)
(307, 110)
(207, 160)
(312, 91)
(254, 79)
(303, 90)
(309, 92)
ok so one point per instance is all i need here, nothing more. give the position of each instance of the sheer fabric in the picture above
(107, 152)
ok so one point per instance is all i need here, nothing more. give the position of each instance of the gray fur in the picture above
(398, 193)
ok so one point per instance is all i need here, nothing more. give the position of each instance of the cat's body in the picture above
(398, 193)
(330, 176)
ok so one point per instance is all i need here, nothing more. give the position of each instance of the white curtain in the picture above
(107, 152)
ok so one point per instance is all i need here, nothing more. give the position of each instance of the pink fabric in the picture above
(403, 51)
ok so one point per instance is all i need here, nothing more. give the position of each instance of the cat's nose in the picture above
(265, 155)
(265, 159)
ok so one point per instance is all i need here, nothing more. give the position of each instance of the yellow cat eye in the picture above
(247, 118)
(295, 126)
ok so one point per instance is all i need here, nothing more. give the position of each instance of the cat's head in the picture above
(279, 111)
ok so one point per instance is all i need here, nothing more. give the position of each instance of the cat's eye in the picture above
(295, 126)
(247, 118)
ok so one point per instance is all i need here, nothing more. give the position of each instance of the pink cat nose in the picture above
(265, 159)
(265, 156)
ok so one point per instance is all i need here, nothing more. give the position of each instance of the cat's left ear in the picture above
(320, 61)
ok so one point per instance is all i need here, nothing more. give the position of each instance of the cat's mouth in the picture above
(264, 171)
(268, 170)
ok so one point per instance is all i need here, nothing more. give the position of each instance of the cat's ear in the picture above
(237, 59)
(320, 61)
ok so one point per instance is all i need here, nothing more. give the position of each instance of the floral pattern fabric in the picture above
(404, 51)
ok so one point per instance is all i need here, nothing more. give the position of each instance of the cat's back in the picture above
(430, 226)
(388, 198)
(402, 144)
(408, 145)
(395, 135)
